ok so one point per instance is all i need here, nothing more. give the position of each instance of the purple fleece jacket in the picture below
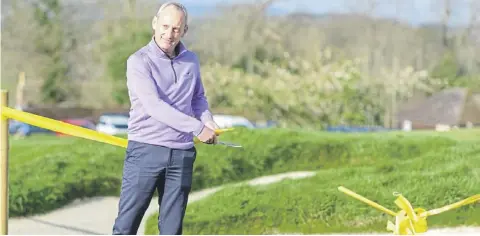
(168, 104)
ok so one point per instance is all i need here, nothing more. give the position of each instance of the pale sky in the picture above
(413, 11)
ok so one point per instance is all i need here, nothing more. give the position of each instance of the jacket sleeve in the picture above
(140, 83)
(200, 104)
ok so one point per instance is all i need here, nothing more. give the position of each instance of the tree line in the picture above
(299, 69)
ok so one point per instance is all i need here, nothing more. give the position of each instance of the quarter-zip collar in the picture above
(158, 52)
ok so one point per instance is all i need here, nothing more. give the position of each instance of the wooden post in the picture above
(3, 166)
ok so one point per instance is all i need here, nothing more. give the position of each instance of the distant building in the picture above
(455, 107)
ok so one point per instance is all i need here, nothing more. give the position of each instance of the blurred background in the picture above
(335, 65)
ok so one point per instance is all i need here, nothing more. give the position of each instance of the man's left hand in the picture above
(213, 126)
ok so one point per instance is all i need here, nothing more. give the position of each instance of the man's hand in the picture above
(213, 126)
(207, 135)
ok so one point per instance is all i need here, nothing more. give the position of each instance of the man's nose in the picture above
(169, 32)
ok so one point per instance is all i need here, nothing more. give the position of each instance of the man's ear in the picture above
(154, 22)
(185, 30)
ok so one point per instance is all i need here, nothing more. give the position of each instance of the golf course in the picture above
(431, 169)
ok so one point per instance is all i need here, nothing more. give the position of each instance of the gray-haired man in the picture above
(168, 108)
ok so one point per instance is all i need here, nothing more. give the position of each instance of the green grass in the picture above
(315, 206)
(48, 172)
(459, 135)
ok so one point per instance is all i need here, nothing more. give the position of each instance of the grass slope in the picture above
(424, 167)
(47, 172)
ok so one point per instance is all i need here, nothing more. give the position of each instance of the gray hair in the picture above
(177, 5)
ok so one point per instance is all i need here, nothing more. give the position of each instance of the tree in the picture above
(18, 53)
(122, 37)
(54, 43)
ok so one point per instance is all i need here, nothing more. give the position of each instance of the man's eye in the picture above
(165, 26)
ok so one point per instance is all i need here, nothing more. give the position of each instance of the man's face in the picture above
(169, 27)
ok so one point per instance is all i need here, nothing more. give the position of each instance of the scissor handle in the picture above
(217, 132)
(221, 131)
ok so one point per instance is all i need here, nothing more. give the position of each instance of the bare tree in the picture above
(17, 34)
(466, 45)
(447, 12)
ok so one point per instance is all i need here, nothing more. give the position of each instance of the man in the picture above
(168, 108)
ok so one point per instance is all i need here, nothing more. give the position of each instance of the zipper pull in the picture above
(173, 68)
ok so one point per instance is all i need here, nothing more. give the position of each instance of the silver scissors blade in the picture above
(229, 144)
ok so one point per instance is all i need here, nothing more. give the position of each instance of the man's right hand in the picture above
(207, 136)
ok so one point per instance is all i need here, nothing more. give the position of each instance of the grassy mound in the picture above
(315, 206)
(48, 172)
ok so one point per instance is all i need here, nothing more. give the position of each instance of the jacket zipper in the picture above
(173, 68)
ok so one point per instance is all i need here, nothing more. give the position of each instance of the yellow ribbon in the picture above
(409, 221)
(73, 130)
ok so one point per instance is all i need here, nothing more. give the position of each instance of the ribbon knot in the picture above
(409, 221)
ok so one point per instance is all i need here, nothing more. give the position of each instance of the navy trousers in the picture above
(148, 168)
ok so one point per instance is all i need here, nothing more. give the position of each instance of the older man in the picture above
(168, 108)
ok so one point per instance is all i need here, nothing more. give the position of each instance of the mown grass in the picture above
(436, 176)
(47, 172)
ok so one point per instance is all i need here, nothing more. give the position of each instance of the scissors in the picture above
(229, 144)
(220, 131)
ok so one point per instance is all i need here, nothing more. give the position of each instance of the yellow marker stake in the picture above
(409, 220)
(69, 129)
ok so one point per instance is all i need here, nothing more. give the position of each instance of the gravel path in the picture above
(95, 216)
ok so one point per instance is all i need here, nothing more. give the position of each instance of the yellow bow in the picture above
(409, 221)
